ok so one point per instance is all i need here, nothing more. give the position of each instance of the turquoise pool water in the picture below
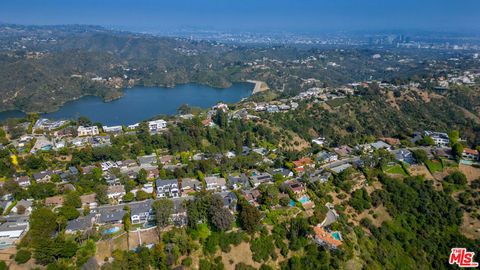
(111, 230)
(304, 199)
(46, 148)
(4, 245)
(337, 235)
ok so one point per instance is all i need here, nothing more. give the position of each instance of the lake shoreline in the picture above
(260, 86)
(138, 103)
(122, 94)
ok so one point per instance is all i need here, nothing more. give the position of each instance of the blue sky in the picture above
(308, 15)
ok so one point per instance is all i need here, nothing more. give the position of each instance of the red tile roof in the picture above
(302, 162)
(470, 151)
(324, 236)
(391, 141)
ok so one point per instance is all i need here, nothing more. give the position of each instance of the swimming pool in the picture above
(304, 199)
(337, 235)
(111, 230)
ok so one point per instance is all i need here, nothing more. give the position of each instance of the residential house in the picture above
(26, 205)
(87, 169)
(404, 155)
(107, 165)
(73, 170)
(391, 141)
(179, 216)
(167, 188)
(128, 163)
(470, 154)
(23, 181)
(230, 154)
(79, 142)
(141, 212)
(152, 172)
(166, 159)
(157, 125)
(99, 141)
(190, 185)
(297, 187)
(208, 122)
(215, 183)
(380, 145)
(341, 168)
(116, 192)
(439, 138)
(319, 141)
(133, 126)
(235, 182)
(11, 232)
(302, 164)
(110, 215)
(327, 157)
(111, 179)
(230, 200)
(343, 151)
(80, 224)
(258, 178)
(320, 176)
(364, 148)
(325, 238)
(148, 188)
(87, 131)
(251, 196)
(273, 109)
(54, 201)
(148, 161)
(261, 151)
(89, 200)
(112, 129)
(284, 172)
(43, 177)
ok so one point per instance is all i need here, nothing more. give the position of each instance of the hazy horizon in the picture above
(250, 15)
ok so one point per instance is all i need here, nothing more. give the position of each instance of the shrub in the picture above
(458, 178)
(187, 261)
(23, 256)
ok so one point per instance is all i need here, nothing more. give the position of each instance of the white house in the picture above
(87, 131)
(133, 126)
(320, 141)
(215, 183)
(439, 138)
(167, 188)
(115, 192)
(112, 129)
(157, 125)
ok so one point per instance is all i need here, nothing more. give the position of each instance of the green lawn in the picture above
(395, 169)
(434, 166)
(449, 163)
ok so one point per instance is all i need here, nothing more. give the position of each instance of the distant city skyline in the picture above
(251, 15)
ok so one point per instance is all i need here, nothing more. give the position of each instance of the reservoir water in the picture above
(142, 103)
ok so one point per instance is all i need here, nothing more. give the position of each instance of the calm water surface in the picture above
(141, 103)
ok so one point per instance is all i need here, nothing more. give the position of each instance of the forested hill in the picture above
(42, 67)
